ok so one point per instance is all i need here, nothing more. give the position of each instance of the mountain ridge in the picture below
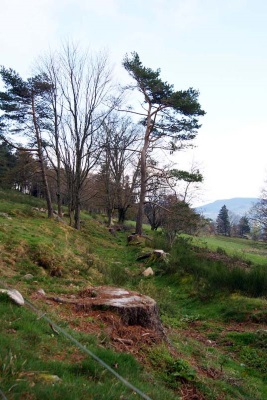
(236, 205)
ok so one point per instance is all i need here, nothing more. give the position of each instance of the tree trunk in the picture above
(140, 213)
(47, 190)
(143, 173)
(121, 214)
(109, 215)
(77, 212)
(58, 173)
(78, 183)
(59, 197)
(41, 160)
(71, 215)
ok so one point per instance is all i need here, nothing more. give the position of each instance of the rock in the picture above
(41, 292)
(28, 277)
(5, 215)
(14, 295)
(48, 378)
(148, 272)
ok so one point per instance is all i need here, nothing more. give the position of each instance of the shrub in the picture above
(217, 274)
(182, 257)
(160, 242)
(257, 281)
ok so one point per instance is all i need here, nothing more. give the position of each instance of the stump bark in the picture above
(133, 307)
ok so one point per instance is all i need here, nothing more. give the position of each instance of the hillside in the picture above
(238, 206)
(214, 343)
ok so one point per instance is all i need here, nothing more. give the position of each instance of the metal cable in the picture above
(83, 348)
(3, 395)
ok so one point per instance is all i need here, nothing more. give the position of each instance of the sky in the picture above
(216, 47)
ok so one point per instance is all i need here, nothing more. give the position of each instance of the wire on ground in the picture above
(81, 347)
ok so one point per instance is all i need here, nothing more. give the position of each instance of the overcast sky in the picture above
(217, 47)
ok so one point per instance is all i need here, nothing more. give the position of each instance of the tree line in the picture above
(69, 135)
(253, 225)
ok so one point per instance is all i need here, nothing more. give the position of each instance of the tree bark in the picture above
(143, 171)
(58, 170)
(41, 160)
(109, 214)
(77, 212)
(140, 213)
(121, 214)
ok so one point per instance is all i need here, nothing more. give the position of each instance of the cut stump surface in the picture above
(133, 307)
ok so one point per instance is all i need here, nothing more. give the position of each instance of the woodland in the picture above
(72, 125)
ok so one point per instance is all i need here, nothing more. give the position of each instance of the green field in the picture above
(249, 250)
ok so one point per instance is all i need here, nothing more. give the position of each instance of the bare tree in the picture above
(80, 101)
(258, 214)
(50, 68)
(154, 208)
(164, 181)
(119, 163)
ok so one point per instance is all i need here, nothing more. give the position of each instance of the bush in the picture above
(257, 281)
(160, 242)
(182, 256)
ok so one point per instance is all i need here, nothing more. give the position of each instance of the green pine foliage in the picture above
(223, 222)
(180, 108)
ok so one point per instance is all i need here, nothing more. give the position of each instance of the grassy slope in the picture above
(249, 250)
(218, 343)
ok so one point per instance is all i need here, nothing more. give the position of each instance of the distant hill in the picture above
(238, 205)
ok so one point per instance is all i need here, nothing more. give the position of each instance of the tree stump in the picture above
(133, 308)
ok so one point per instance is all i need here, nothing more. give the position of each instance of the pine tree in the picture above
(7, 163)
(25, 112)
(223, 225)
(243, 226)
(169, 117)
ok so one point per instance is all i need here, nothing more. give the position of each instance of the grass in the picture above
(35, 362)
(249, 250)
(217, 336)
